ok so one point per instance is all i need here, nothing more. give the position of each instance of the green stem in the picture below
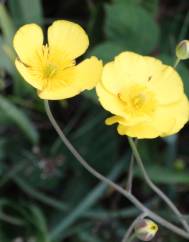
(154, 187)
(131, 238)
(176, 63)
(102, 178)
(130, 173)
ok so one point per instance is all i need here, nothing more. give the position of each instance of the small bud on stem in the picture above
(145, 229)
(182, 50)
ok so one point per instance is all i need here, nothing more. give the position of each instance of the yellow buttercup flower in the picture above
(145, 96)
(51, 68)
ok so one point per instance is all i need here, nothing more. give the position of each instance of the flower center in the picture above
(49, 71)
(51, 65)
(138, 100)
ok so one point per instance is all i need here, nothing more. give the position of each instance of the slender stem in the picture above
(130, 175)
(102, 178)
(129, 231)
(154, 187)
(176, 63)
(131, 238)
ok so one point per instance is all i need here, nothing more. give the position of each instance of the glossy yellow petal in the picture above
(69, 38)
(73, 80)
(27, 42)
(87, 73)
(113, 120)
(129, 68)
(109, 101)
(171, 119)
(168, 85)
(28, 75)
(166, 121)
(140, 131)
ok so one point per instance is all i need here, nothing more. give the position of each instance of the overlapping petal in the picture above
(130, 83)
(29, 75)
(129, 68)
(51, 67)
(109, 101)
(74, 80)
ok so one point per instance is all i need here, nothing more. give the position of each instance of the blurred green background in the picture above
(46, 196)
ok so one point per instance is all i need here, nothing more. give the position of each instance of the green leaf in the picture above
(39, 222)
(6, 24)
(151, 6)
(17, 116)
(107, 50)
(132, 26)
(26, 11)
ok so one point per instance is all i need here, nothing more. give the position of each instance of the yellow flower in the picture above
(145, 96)
(51, 68)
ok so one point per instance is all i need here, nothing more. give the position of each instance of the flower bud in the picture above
(145, 229)
(182, 50)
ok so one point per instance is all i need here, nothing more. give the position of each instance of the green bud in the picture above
(182, 50)
(145, 229)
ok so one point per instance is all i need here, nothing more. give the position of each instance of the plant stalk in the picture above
(102, 178)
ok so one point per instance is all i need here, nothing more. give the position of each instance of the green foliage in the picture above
(26, 11)
(128, 26)
(125, 22)
(46, 196)
(13, 113)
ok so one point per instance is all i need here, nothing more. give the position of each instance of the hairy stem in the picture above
(102, 178)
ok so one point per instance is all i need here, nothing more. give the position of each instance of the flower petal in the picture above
(88, 73)
(167, 120)
(171, 118)
(27, 41)
(168, 85)
(68, 37)
(109, 101)
(28, 75)
(140, 131)
(74, 80)
(129, 69)
(113, 120)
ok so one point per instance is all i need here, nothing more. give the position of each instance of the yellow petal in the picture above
(109, 101)
(168, 86)
(171, 119)
(74, 80)
(27, 41)
(168, 120)
(28, 75)
(113, 120)
(68, 37)
(88, 73)
(140, 131)
(129, 69)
